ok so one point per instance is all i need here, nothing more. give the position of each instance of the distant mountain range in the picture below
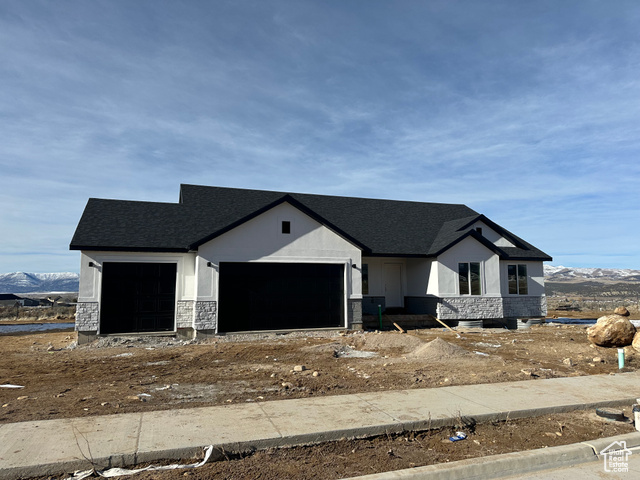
(606, 275)
(21, 282)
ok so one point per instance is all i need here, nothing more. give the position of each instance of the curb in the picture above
(515, 463)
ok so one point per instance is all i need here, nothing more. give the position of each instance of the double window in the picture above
(517, 275)
(469, 278)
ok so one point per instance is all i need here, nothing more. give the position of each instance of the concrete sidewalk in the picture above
(60, 446)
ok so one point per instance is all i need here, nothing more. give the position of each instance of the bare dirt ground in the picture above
(129, 374)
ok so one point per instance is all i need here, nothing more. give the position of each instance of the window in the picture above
(286, 227)
(469, 278)
(365, 279)
(517, 275)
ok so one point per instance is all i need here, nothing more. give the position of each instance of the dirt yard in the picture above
(117, 375)
(128, 374)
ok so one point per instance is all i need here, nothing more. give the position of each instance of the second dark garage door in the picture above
(276, 296)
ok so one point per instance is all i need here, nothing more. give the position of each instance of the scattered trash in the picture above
(481, 353)
(166, 387)
(118, 472)
(299, 368)
(487, 345)
(458, 436)
(8, 385)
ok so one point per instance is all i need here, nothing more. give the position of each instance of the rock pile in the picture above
(613, 330)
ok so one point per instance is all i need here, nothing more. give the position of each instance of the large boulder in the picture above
(612, 331)
(636, 342)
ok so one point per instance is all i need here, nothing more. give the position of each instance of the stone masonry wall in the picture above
(87, 316)
(354, 314)
(206, 316)
(184, 314)
(524, 307)
(472, 307)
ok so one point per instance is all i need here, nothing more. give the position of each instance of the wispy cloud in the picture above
(525, 111)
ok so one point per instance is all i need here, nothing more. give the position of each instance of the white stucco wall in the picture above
(468, 250)
(91, 277)
(418, 275)
(493, 236)
(261, 240)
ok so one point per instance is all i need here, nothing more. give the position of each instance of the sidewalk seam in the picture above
(270, 420)
(136, 448)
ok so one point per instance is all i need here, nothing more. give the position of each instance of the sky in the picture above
(526, 111)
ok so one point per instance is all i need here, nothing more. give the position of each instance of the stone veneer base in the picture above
(478, 307)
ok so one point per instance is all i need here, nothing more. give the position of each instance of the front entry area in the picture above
(137, 297)
(393, 285)
(277, 296)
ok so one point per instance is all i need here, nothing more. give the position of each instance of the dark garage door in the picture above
(137, 297)
(276, 296)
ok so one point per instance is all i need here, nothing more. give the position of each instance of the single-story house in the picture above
(228, 260)
(10, 300)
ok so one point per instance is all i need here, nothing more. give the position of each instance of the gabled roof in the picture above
(377, 227)
(9, 296)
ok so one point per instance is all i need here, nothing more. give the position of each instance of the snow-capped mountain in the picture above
(565, 274)
(21, 282)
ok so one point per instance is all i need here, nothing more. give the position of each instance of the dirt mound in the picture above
(389, 340)
(438, 349)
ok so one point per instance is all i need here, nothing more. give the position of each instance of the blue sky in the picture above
(526, 111)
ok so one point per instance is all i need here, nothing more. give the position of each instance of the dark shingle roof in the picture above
(9, 296)
(378, 227)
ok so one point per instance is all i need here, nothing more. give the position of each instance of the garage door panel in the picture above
(137, 297)
(267, 296)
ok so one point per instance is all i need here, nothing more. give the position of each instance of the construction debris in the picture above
(399, 327)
